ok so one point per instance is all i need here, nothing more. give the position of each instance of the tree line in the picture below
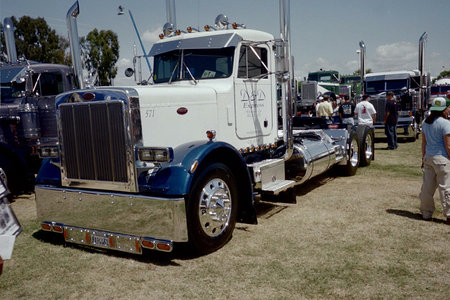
(36, 41)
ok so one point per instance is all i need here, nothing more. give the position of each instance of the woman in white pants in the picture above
(436, 159)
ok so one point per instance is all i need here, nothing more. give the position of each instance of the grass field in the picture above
(355, 237)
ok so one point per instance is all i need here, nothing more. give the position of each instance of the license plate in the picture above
(100, 241)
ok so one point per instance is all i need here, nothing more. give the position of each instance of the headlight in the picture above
(161, 155)
(48, 151)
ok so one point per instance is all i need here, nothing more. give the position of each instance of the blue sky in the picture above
(325, 34)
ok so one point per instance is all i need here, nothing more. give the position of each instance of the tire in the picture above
(212, 208)
(12, 175)
(352, 155)
(367, 147)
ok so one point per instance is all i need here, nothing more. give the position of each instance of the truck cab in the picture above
(405, 86)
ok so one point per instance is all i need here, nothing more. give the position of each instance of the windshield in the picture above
(440, 89)
(193, 64)
(376, 87)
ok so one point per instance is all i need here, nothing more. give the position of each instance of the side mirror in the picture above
(129, 72)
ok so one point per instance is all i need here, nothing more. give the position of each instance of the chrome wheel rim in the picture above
(368, 145)
(354, 153)
(215, 207)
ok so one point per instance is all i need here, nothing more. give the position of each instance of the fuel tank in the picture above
(314, 153)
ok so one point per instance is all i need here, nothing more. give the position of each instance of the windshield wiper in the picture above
(173, 72)
(189, 71)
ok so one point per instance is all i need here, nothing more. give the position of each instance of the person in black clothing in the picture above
(347, 111)
(390, 121)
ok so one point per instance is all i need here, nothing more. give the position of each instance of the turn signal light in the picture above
(46, 227)
(164, 247)
(57, 228)
(148, 244)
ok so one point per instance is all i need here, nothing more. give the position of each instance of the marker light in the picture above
(207, 28)
(164, 246)
(148, 244)
(57, 228)
(46, 227)
(189, 29)
(161, 36)
(211, 134)
(235, 25)
(178, 31)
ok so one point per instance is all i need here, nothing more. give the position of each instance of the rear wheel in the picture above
(212, 208)
(367, 147)
(352, 155)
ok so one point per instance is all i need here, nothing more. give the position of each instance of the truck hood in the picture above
(173, 115)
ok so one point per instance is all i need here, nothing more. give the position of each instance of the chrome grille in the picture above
(94, 141)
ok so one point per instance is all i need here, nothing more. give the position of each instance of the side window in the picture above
(250, 65)
(50, 84)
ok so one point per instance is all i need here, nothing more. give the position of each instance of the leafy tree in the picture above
(357, 72)
(443, 74)
(37, 41)
(100, 50)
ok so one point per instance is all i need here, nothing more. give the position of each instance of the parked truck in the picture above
(411, 90)
(27, 112)
(184, 158)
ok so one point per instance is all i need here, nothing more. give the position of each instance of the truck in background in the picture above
(27, 112)
(405, 86)
(440, 88)
(185, 158)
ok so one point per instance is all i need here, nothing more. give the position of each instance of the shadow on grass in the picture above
(411, 215)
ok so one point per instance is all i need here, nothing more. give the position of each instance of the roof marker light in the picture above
(207, 28)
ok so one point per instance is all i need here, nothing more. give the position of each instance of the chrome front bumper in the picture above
(137, 215)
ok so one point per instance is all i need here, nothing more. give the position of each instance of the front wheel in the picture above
(212, 208)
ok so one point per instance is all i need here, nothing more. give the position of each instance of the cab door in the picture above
(253, 94)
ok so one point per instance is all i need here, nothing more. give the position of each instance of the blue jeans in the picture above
(391, 134)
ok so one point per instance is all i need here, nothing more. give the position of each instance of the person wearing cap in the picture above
(436, 159)
(390, 121)
(347, 111)
(325, 109)
(365, 111)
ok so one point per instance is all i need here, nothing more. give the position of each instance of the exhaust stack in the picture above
(421, 66)
(286, 77)
(75, 50)
(170, 13)
(362, 62)
(11, 51)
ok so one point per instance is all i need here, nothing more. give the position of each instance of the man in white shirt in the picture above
(325, 109)
(365, 111)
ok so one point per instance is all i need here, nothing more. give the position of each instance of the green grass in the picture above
(356, 237)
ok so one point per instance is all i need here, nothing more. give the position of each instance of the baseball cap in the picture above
(439, 104)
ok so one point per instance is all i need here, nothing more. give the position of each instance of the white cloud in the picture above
(396, 56)
(124, 62)
(152, 36)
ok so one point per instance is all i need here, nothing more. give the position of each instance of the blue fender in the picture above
(49, 173)
(175, 179)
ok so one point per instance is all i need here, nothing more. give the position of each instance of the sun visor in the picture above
(204, 42)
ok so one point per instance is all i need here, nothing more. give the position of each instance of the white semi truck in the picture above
(182, 159)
